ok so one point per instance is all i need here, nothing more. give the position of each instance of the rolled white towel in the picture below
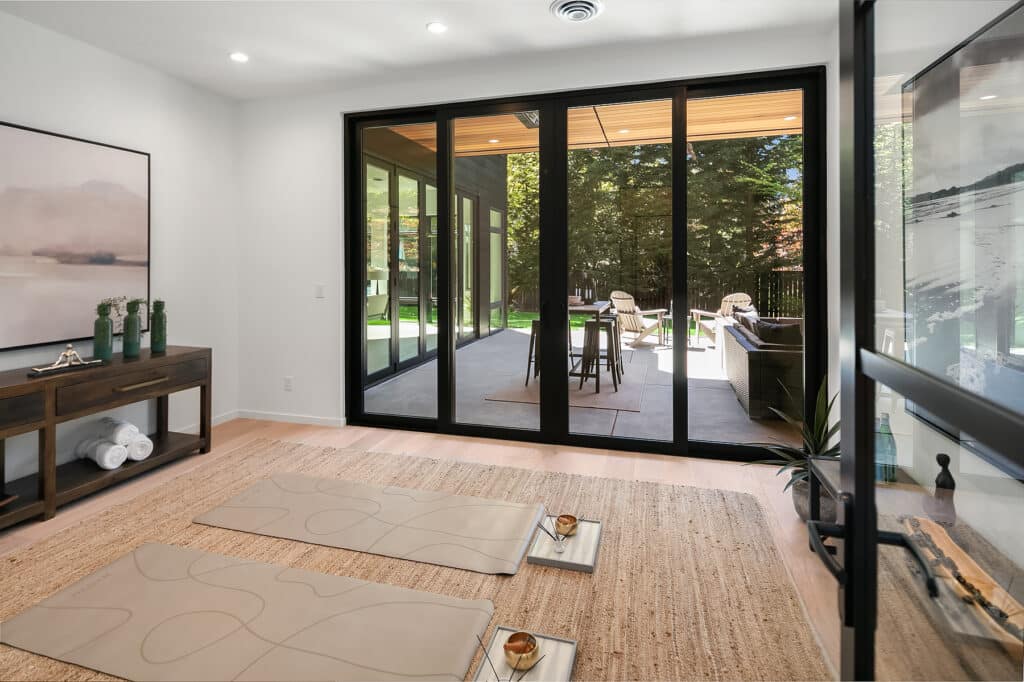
(117, 430)
(140, 448)
(106, 454)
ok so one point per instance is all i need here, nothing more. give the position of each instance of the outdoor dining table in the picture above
(597, 309)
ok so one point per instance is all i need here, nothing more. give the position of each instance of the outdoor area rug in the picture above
(628, 397)
(168, 613)
(486, 536)
(689, 583)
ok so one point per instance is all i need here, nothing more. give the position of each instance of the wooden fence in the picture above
(775, 293)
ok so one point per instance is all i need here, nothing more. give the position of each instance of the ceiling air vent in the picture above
(576, 10)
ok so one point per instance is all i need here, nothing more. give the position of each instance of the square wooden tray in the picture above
(556, 666)
(580, 549)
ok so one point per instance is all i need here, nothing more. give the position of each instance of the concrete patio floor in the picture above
(487, 366)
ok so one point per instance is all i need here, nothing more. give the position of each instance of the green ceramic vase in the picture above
(158, 329)
(132, 331)
(103, 334)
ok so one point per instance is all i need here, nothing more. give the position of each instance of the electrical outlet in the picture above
(288, 383)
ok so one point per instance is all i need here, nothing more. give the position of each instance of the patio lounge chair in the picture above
(633, 319)
(709, 322)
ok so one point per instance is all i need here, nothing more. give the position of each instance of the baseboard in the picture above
(291, 418)
(218, 419)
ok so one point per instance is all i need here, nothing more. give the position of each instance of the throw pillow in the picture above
(748, 319)
(782, 334)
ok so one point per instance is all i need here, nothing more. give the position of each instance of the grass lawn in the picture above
(517, 319)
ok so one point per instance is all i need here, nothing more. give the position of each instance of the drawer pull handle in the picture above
(142, 384)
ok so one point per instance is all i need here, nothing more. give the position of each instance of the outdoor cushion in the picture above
(782, 334)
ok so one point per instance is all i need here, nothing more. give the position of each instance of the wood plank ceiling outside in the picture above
(630, 123)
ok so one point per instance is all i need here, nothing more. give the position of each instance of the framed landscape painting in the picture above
(74, 231)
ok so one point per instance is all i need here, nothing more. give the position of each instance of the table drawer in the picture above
(140, 384)
(22, 409)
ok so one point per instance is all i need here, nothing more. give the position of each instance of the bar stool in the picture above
(616, 343)
(531, 356)
(589, 365)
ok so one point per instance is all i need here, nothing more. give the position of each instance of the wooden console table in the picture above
(39, 404)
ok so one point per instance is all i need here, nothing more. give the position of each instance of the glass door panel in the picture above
(496, 175)
(497, 270)
(467, 257)
(408, 262)
(431, 253)
(745, 230)
(400, 232)
(963, 514)
(378, 269)
(620, 269)
(949, 266)
(950, 209)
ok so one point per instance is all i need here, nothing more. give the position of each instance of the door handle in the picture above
(886, 537)
(818, 530)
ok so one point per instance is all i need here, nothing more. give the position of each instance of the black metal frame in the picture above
(149, 224)
(554, 418)
(862, 366)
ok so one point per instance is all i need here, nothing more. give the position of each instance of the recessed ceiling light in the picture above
(789, 118)
(984, 97)
(494, 140)
(436, 27)
(239, 57)
(623, 131)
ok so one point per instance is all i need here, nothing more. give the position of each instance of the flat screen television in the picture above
(74, 231)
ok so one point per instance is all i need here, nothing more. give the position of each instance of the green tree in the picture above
(523, 230)
(744, 215)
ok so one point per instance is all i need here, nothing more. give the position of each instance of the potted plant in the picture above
(816, 434)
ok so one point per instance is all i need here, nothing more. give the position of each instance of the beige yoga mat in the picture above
(628, 397)
(168, 613)
(486, 536)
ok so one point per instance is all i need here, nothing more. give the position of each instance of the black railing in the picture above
(775, 293)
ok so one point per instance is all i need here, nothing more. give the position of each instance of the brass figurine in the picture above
(69, 359)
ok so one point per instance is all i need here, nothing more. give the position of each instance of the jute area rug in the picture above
(689, 584)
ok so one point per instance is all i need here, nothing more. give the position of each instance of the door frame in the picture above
(553, 251)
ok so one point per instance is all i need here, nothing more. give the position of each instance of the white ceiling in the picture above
(302, 47)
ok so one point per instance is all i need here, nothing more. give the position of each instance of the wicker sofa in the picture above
(758, 370)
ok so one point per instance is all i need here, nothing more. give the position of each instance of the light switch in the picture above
(319, 291)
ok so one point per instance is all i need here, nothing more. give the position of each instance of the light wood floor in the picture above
(816, 587)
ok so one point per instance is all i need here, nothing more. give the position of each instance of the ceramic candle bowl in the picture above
(521, 651)
(566, 524)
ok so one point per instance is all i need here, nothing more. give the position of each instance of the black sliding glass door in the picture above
(571, 252)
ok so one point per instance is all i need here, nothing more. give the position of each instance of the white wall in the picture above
(56, 83)
(291, 185)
